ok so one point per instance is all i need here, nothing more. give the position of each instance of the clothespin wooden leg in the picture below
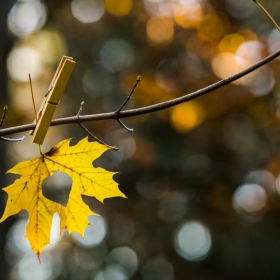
(52, 98)
(51, 87)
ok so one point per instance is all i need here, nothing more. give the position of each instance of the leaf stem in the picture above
(41, 153)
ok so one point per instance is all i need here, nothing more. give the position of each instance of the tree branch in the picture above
(148, 109)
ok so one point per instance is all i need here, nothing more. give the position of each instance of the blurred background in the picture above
(202, 179)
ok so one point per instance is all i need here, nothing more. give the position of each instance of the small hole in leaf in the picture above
(57, 188)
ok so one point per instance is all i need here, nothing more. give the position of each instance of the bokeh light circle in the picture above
(87, 11)
(160, 30)
(239, 8)
(94, 234)
(125, 258)
(111, 272)
(192, 241)
(24, 60)
(249, 198)
(183, 122)
(116, 55)
(118, 8)
(26, 17)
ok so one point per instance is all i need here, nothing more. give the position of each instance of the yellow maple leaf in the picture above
(26, 192)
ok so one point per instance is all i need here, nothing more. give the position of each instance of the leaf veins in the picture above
(26, 192)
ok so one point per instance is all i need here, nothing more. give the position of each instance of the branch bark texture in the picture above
(148, 109)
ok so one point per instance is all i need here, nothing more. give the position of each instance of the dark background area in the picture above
(202, 179)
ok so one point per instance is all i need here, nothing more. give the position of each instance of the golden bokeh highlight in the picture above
(231, 42)
(213, 26)
(224, 65)
(238, 54)
(48, 41)
(188, 18)
(249, 35)
(160, 30)
(36, 54)
(118, 8)
(187, 116)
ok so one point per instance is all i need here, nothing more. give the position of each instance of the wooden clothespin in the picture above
(52, 98)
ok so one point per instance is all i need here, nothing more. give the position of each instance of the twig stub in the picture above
(124, 103)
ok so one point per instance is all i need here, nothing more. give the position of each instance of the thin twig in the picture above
(33, 101)
(12, 139)
(124, 103)
(147, 109)
(96, 138)
(129, 96)
(268, 14)
(2, 121)
(87, 131)
(81, 108)
(124, 126)
(4, 114)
